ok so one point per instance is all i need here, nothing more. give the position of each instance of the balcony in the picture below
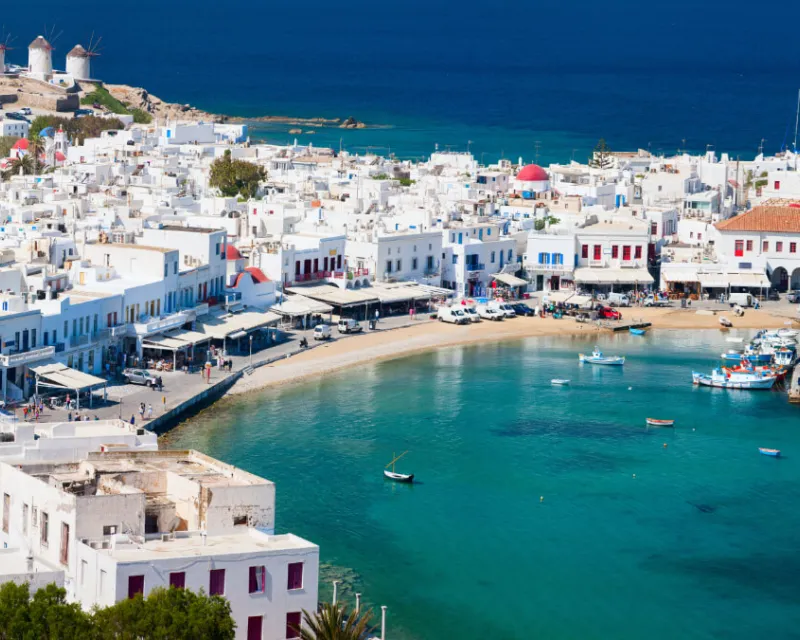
(157, 325)
(78, 341)
(547, 266)
(26, 357)
(350, 274)
(118, 331)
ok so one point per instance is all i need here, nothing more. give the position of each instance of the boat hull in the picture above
(612, 361)
(399, 477)
(775, 453)
(637, 332)
(653, 422)
(754, 385)
(559, 382)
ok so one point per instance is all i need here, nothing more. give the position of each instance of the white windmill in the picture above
(5, 45)
(79, 59)
(40, 56)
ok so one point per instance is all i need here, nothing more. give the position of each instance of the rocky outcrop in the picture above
(139, 98)
(352, 123)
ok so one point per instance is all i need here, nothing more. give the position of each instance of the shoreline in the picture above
(429, 335)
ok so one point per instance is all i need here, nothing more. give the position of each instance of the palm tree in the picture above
(335, 623)
(25, 164)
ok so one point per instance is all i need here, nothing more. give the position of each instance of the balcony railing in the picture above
(78, 341)
(118, 331)
(18, 359)
(475, 266)
(547, 266)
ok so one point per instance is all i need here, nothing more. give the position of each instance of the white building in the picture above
(472, 254)
(14, 128)
(40, 59)
(118, 524)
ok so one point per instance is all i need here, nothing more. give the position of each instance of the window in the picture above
(598, 252)
(637, 252)
(792, 247)
(84, 567)
(510, 253)
(216, 585)
(109, 529)
(46, 338)
(779, 246)
(33, 338)
(455, 259)
(749, 245)
(64, 557)
(135, 586)
(492, 257)
(166, 270)
(584, 251)
(34, 517)
(6, 511)
(739, 248)
(388, 266)
(25, 519)
(177, 579)
(765, 246)
(414, 264)
(699, 236)
(295, 576)
(293, 624)
(175, 267)
(626, 252)
(777, 185)
(258, 576)
(399, 265)
(240, 521)
(615, 251)
(653, 228)
(254, 627)
(44, 528)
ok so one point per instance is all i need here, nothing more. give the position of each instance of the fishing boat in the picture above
(775, 453)
(732, 354)
(397, 477)
(559, 382)
(734, 380)
(637, 332)
(653, 422)
(597, 357)
(784, 357)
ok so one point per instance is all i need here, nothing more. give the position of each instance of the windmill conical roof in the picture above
(40, 43)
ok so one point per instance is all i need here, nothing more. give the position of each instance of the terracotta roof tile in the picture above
(770, 219)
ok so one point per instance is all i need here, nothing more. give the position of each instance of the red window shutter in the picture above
(765, 246)
(792, 247)
(626, 252)
(749, 245)
(638, 252)
(295, 576)
(777, 185)
(135, 585)
(177, 579)
(254, 626)
(615, 251)
(216, 586)
(292, 623)
(779, 246)
(598, 252)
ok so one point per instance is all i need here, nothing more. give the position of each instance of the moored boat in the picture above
(597, 357)
(559, 382)
(732, 354)
(654, 422)
(775, 453)
(734, 380)
(637, 332)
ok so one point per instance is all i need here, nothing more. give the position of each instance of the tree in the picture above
(538, 225)
(236, 177)
(46, 616)
(335, 623)
(601, 158)
(76, 128)
(6, 142)
(177, 614)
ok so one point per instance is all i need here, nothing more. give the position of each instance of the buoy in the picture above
(665, 445)
(634, 475)
(541, 498)
(630, 388)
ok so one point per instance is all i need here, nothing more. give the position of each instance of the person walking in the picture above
(133, 419)
(149, 411)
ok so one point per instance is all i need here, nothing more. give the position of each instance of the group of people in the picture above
(144, 409)
(34, 409)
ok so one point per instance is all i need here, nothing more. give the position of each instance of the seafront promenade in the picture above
(287, 362)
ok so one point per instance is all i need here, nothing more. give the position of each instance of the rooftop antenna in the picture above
(761, 146)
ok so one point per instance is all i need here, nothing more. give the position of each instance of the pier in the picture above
(624, 326)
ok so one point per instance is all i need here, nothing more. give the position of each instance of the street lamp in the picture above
(251, 351)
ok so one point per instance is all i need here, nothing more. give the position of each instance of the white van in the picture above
(322, 332)
(506, 310)
(453, 316)
(619, 300)
(742, 299)
(348, 325)
(490, 313)
(471, 314)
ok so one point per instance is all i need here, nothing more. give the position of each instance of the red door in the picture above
(254, 624)
(739, 248)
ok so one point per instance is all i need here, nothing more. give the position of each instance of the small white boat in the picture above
(734, 380)
(397, 477)
(559, 381)
(725, 322)
(775, 453)
(653, 422)
(597, 357)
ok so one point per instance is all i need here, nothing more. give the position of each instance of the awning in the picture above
(175, 340)
(60, 375)
(734, 279)
(224, 326)
(401, 292)
(335, 296)
(296, 306)
(511, 281)
(591, 275)
(557, 297)
(679, 275)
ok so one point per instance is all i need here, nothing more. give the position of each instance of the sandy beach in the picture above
(374, 346)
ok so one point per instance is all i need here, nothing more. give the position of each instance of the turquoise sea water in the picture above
(633, 540)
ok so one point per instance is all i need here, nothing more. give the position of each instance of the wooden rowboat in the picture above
(775, 453)
(653, 422)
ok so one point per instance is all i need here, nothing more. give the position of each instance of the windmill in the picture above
(5, 45)
(79, 59)
(40, 55)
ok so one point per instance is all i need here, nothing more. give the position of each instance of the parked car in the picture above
(608, 313)
(322, 332)
(523, 309)
(348, 325)
(502, 308)
(79, 113)
(139, 376)
(16, 115)
(489, 313)
(793, 296)
(618, 300)
(26, 111)
(655, 301)
(471, 313)
(453, 315)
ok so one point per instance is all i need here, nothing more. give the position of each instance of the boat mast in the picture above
(396, 458)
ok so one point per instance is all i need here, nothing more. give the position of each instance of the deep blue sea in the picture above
(540, 511)
(503, 78)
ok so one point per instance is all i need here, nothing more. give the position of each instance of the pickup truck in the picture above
(139, 376)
